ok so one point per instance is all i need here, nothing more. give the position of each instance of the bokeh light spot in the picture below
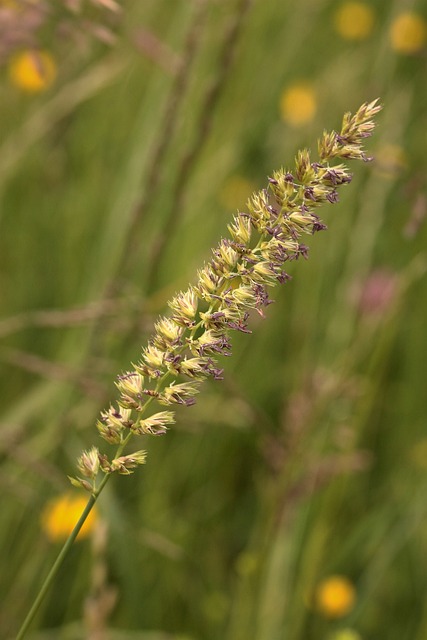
(298, 104)
(32, 71)
(61, 514)
(408, 33)
(354, 20)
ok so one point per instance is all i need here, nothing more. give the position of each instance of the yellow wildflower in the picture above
(234, 192)
(335, 596)
(418, 454)
(9, 4)
(354, 20)
(346, 634)
(298, 104)
(408, 33)
(247, 563)
(32, 71)
(61, 514)
(390, 160)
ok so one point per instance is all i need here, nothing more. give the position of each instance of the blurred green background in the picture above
(130, 133)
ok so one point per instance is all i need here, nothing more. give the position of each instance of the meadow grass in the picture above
(309, 459)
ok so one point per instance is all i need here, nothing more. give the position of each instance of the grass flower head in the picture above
(187, 343)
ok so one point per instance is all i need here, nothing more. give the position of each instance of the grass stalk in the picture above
(59, 561)
(233, 284)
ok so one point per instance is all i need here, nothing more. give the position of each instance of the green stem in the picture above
(60, 559)
(68, 544)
